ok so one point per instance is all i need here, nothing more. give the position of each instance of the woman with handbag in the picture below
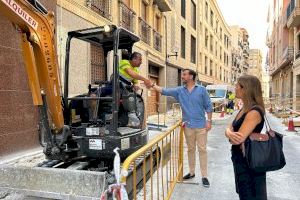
(250, 184)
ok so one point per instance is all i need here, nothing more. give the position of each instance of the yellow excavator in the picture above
(78, 132)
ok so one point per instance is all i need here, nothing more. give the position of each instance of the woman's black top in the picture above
(236, 124)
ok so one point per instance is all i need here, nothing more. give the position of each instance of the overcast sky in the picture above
(249, 14)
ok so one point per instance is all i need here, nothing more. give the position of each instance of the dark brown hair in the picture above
(252, 92)
(191, 72)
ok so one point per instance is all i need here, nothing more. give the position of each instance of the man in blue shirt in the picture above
(194, 101)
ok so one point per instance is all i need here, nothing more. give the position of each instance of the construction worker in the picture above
(129, 74)
(230, 105)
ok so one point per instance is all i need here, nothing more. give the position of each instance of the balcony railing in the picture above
(157, 40)
(241, 44)
(102, 7)
(290, 8)
(145, 31)
(288, 53)
(127, 17)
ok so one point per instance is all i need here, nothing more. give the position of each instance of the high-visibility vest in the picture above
(125, 64)
(231, 97)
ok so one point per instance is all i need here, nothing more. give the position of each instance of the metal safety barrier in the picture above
(153, 171)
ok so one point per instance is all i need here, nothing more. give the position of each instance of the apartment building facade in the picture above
(246, 51)
(194, 30)
(215, 47)
(255, 63)
(236, 52)
(283, 42)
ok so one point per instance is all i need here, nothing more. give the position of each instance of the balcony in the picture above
(246, 65)
(240, 44)
(293, 14)
(246, 43)
(127, 17)
(163, 5)
(102, 7)
(145, 31)
(288, 53)
(245, 55)
(157, 40)
(290, 8)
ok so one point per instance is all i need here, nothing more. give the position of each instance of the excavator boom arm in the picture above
(39, 52)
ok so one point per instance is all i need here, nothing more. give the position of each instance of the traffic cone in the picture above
(291, 126)
(222, 112)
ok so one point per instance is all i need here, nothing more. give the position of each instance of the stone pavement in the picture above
(282, 185)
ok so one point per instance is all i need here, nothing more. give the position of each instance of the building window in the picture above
(98, 72)
(221, 34)
(206, 37)
(183, 8)
(182, 42)
(216, 49)
(227, 59)
(144, 27)
(127, 16)
(217, 26)
(211, 44)
(144, 11)
(206, 67)
(157, 24)
(102, 7)
(193, 49)
(206, 11)
(220, 73)
(157, 37)
(212, 18)
(221, 53)
(153, 71)
(211, 68)
(298, 49)
(193, 14)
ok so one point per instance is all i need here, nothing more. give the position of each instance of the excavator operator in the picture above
(129, 74)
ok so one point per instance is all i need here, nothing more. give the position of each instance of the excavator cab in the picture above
(97, 118)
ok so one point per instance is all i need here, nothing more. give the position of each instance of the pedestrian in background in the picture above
(194, 101)
(250, 185)
(230, 104)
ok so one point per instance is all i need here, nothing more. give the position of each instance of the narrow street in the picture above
(281, 185)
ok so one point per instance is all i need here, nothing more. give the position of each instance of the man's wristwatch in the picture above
(153, 84)
(209, 120)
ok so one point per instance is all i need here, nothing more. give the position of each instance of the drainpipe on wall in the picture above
(166, 57)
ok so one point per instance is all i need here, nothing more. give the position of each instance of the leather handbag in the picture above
(264, 152)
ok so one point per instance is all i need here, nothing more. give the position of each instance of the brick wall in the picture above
(18, 116)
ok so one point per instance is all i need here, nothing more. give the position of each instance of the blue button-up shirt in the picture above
(194, 104)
